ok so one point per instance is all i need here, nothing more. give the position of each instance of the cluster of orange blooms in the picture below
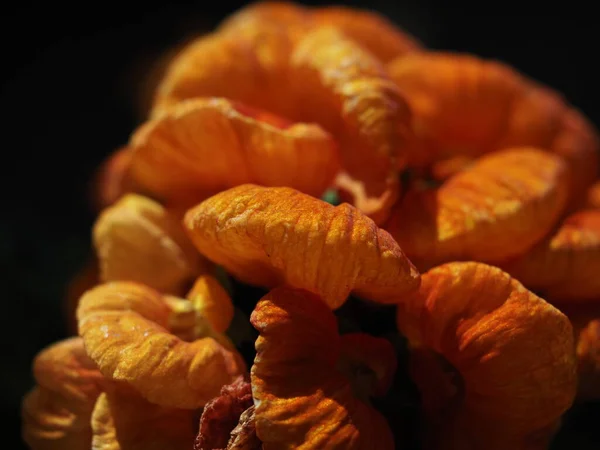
(469, 206)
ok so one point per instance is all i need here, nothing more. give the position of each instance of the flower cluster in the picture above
(328, 158)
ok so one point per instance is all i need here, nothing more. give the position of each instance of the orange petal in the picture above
(128, 422)
(444, 169)
(212, 301)
(111, 182)
(565, 267)
(138, 240)
(302, 401)
(464, 105)
(498, 208)
(369, 29)
(205, 145)
(56, 414)
(346, 90)
(271, 236)
(250, 67)
(124, 327)
(474, 330)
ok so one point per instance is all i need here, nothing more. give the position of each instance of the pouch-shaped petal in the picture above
(137, 239)
(204, 145)
(56, 413)
(301, 400)
(498, 208)
(565, 267)
(274, 236)
(125, 421)
(464, 105)
(347, 91)
(124, 327)
(250, 67)
(212, 301)
(495, 364)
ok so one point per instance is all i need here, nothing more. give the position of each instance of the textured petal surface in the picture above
(346, 90)
(272, 236)
(301, 401)
(469, 106)
(128, 422)
(474, 330)
(124, 327)
(204, 145)
(498, 208)
(56, 414)
(138, 240)
(566, 266)
(212, 301)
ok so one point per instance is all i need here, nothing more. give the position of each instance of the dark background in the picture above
(70, 85)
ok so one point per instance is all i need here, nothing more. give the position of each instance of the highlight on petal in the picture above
(139, 240)
(464, 105)
(204, 145)
(124, 421)
(249, 67)
(371, 30)
(347, 91)
(111, 181)
(124, 327)
(474, 332)
(301, 400)
(56, 413)
(223, 415)
(212, 301)
(565, 267)
(274, 236)
(498, 208)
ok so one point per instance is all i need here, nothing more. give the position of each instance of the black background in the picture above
(70, 82)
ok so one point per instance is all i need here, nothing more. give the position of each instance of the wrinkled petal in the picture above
(243, 436)
(566, 266)
(346, 90)
(124, 327)
(212, 301)
(222, 414)
(56, 413)
(138, 240)
(250, 67)
(271, 236)
(301, 401)
(204, 145)
(498, 208)
(474, 330)
(111, 181)
(127, 422)
(464, 105)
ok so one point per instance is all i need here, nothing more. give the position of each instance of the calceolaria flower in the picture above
(325, 236)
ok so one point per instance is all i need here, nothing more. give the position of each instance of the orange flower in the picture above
(125, 330)
(125, 421)
(464, 105)
(566, 265)
(273, 236)
(212, 302)
(205, 145)
(495, 364)
(137, 239)
(302, 401)
(498, 208)
(56, 413)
